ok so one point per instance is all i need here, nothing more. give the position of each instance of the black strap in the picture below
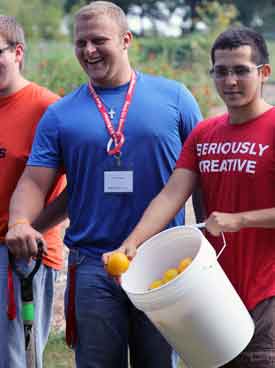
(21, 274)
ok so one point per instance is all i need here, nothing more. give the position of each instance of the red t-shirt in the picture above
(19, 115)
(236, 168)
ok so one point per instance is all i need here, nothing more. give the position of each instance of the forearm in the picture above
(231, 222)
(26, 202)
(164, 207)
(42, 223)
(264, 218)
(159, 213)
(53, 214)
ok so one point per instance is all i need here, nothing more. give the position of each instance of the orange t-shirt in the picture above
(19, 114)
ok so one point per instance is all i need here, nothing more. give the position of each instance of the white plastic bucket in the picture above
(199, 312)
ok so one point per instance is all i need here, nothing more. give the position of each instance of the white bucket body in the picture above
(199, 312)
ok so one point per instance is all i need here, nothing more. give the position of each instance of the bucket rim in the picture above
(144, 244)
(171, 229)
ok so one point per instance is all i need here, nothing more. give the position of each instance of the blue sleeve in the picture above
(190, 113)
(46, 150)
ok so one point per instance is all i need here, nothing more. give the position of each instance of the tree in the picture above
(256, 8)
(39, 18)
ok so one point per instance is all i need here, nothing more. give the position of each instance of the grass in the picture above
(58, 355)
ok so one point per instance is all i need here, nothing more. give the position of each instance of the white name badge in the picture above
(118, 181)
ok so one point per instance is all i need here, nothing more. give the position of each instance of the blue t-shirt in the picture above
(72, 134)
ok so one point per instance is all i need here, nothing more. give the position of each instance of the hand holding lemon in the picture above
(117, 264)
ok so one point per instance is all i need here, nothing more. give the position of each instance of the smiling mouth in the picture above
(232, 93)
(94, 61)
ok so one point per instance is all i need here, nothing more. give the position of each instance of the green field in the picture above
(58, 355)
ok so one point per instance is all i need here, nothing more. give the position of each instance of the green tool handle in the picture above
(28, 312)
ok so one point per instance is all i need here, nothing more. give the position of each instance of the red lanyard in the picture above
(117, 137)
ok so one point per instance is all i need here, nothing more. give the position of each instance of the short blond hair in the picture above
(97, 8)
(11, 31)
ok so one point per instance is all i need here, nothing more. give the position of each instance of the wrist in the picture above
(243, 220)
(18, 222)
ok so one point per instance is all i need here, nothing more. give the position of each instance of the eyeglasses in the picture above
(239, 71)
(4, 49)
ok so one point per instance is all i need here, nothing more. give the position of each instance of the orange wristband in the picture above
(18, 222)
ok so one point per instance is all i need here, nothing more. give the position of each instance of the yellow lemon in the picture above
(170, 274)
(117, 264)
(155, 284)
(184, 263)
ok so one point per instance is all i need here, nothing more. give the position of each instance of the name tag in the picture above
(118, 181)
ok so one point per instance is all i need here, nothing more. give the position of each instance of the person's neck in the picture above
(246, 113)
(117, 81)
(19, 83)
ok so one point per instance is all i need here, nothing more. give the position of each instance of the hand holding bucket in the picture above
(202, 225)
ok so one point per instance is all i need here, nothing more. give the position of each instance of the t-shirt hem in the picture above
(252, 305)
(56, 266)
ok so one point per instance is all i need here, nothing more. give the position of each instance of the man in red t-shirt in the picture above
(22, 104)
(232, 156)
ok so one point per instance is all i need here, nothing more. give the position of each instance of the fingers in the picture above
(213, 225)
(22, 241)
(105, 258)
(41, 241)
(130, 253)
(219, 222)
(128, 250)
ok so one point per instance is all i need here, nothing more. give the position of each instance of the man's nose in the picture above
(231, 77)
(90, 47)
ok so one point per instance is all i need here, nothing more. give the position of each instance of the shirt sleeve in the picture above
(190, 113)
(46, 150)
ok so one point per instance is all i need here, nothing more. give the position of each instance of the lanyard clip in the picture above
(117, 156)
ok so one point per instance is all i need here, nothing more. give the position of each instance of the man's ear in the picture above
(266, 72)
(19, 53)
(127, 40)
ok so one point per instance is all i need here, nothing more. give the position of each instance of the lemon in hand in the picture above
(117, 264)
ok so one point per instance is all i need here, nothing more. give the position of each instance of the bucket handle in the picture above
(201, 225)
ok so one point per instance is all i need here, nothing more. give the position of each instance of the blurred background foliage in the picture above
(50, 58)
(48, 18)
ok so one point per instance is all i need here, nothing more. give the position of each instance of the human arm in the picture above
(53, 214)
(161, 211)
(219, 222)
(26, 203)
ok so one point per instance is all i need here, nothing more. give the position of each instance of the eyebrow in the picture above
(230, 66)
